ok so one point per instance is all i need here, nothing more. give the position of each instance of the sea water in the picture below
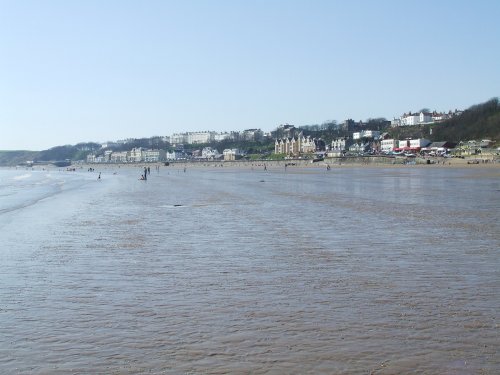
(217, 270)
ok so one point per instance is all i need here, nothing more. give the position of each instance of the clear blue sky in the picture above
(98, 70)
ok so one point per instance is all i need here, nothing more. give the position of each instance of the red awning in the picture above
(407, 149)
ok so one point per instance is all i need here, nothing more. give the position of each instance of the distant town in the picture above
(353, 139)
(474, 131)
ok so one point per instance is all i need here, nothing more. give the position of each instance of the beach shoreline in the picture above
(490, 162)
(342, 162)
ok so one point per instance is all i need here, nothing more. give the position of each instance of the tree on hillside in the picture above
(477, 122)
(379, 123)
(57, 153)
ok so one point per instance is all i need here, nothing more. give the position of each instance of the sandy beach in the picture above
(490, 162)
(359, 269)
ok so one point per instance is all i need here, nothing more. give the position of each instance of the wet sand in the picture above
(217, 270)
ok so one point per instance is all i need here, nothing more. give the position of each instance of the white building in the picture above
(153, 156)
(251, 135)
(136, 155)
(179, 138)
(231, 154)
(425, 118)
(372, 134)
(338, 147)
(339, 144)
(359, 147)
(119, 157)
(173, 155)
(396, 122)
(412, 119)
(388, 145)
(218, 137)
(413, 144)
(91, 158)
(199, 137)
(210, 153)
(108, 144)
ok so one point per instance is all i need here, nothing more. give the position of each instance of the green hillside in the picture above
(480, 121)
(16, 157)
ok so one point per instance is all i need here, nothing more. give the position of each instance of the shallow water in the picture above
(354, 270)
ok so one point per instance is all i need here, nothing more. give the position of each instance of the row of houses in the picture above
(136, 155)
(421, 118)
(383, 144)
(367, 140)
(378, 143)
(200, 137)
(298, 144)
(140, 155)
(211, 136)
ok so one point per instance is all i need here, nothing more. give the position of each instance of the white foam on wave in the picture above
(23, 176)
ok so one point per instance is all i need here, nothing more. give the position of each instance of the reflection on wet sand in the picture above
(359, 272)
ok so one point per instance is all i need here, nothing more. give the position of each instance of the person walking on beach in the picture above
(145, 173)
(99, 176)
